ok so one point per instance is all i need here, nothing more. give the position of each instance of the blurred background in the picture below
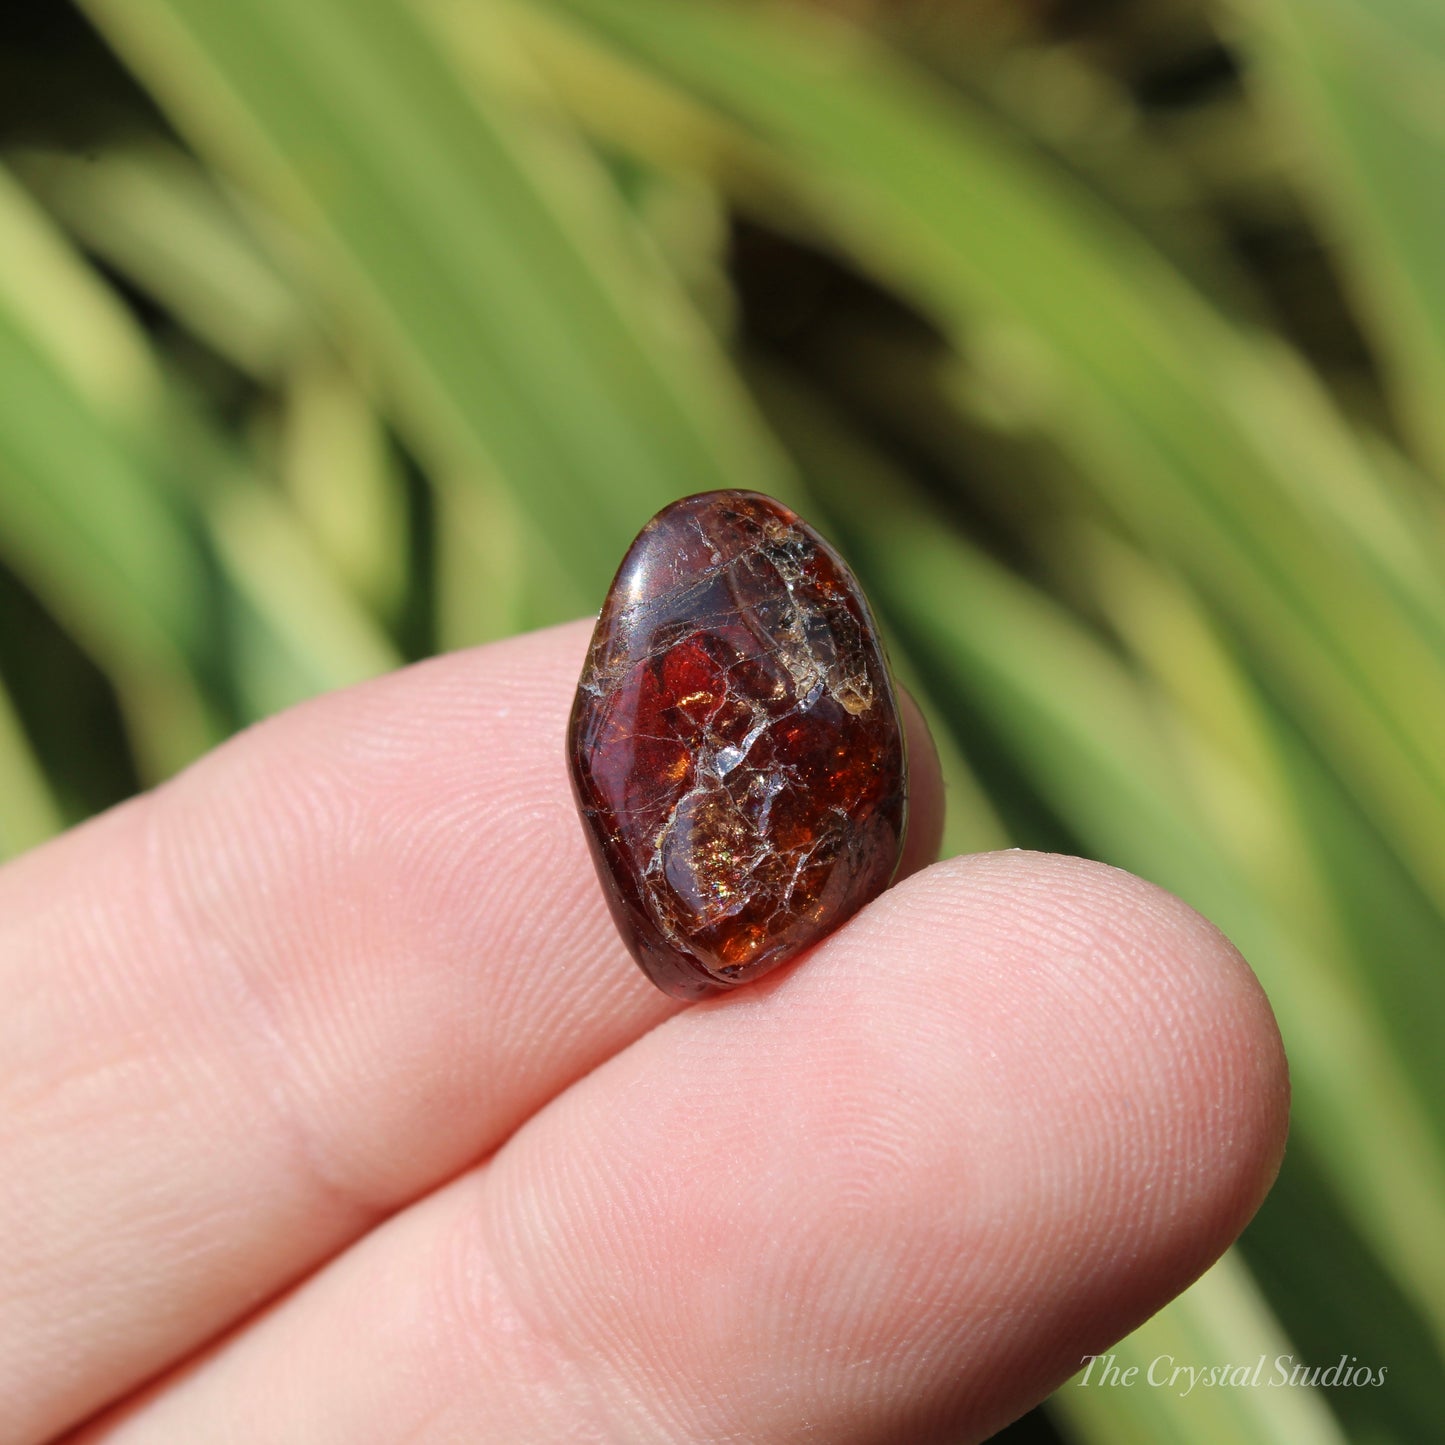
(1106, 337)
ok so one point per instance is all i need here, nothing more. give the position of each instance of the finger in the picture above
(248, 1016)
(895, 1195)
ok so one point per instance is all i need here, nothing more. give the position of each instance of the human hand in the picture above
(334, 1110)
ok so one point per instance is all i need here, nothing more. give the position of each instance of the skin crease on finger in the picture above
(250, 1015)
(891, 1194)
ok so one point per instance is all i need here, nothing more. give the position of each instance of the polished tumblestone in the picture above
(735, 746)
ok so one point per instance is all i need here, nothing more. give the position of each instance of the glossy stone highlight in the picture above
(735, 746)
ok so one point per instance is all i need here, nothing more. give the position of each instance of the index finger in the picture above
(326, 969)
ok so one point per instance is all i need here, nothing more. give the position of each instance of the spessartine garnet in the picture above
(735, 746)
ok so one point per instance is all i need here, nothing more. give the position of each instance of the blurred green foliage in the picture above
(1108, 340)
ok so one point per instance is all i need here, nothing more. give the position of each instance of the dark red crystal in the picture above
(735, 746)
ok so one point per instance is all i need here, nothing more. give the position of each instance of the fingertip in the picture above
(1134, 1017)
(999, 1119)
(1081, 1090)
